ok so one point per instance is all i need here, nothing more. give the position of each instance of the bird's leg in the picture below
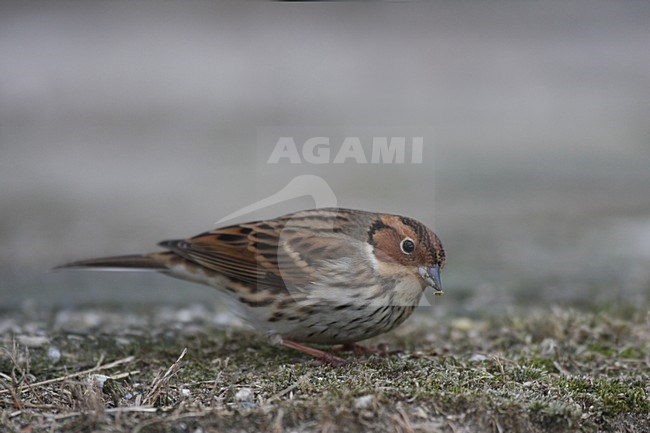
(323, 356)
(360, 349)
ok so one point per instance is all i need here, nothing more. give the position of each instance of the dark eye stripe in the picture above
(376, 226)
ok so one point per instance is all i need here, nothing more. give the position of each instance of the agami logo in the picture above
(322, 150)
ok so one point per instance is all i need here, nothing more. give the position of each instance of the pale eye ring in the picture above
(407, 246)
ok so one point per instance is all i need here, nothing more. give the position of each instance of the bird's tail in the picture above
(134, 262)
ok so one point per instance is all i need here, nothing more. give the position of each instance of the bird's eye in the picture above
(407, 246)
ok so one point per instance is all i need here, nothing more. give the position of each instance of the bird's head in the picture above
(402, 244)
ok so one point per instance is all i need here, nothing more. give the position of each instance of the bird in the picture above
(325, 276)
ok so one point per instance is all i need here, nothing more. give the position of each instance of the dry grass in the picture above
(176, 371)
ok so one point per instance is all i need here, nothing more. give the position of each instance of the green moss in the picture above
(609, 396)
(517, 387)
(543, 364)
(602, 349)
(618, 398)
(632, 353)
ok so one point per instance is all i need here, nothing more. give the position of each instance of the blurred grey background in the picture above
(124, 123)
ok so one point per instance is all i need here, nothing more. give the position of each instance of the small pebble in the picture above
(363, 402)
(53, 354)
(32, 340)
(101, 379)
(245, 394)
(463, 324)
(122, 341)
(185, 392)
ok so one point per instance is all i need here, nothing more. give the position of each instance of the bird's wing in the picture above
(273, 254)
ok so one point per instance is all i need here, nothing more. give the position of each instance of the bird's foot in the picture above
(323, 356)
(360, 349)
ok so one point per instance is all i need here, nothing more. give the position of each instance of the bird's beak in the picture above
(431, 276)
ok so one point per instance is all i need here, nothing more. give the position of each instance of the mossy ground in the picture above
(545, 370)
